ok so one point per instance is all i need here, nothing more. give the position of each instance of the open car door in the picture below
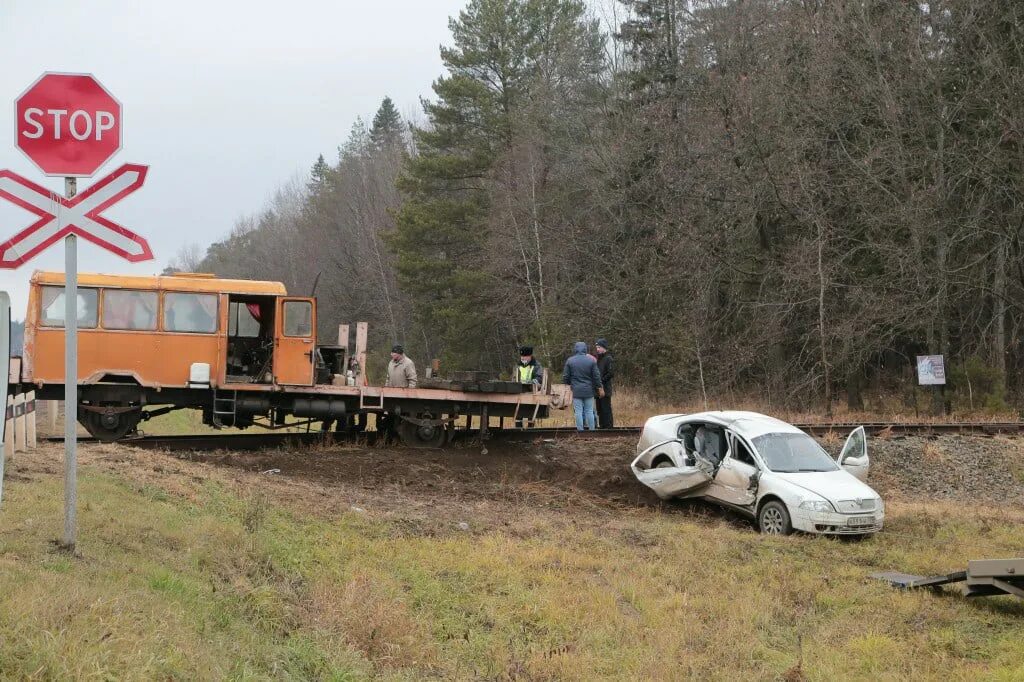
(854, 455)
(668, 470)
(295, 341)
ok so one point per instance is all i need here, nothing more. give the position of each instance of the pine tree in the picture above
(441, 226)
(513, 72)
(651, 40)
(358, 144)
(318, 173)
(386, 130)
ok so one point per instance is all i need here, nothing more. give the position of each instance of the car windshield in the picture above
(793, 452)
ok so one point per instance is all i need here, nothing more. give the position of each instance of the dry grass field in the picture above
(633, 407)
(355, 564)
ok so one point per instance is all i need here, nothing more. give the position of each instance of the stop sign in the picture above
(67, 124)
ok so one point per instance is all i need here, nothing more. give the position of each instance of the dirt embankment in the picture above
(584, 476)
(970, 469)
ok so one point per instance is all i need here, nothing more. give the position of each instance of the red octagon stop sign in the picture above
(67, 124)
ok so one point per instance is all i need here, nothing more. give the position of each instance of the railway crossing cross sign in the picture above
(81, 215)
(69, 125)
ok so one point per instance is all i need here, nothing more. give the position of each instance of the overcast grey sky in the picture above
(224, 100)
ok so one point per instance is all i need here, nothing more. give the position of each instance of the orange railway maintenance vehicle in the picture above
(244, 353)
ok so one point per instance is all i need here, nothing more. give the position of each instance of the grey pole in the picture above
(70, 380)
(5, 352)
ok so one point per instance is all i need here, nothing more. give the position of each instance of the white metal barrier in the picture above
(20, 429)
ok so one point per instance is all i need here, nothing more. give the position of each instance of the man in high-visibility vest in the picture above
(528, 371)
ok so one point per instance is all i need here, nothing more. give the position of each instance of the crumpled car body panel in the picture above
(675, 476)
(671, 482)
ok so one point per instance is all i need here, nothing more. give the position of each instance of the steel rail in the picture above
(230, 441)
(915, 428)
(259, 441)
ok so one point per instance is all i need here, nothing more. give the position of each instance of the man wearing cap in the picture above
(606, 366)
(528, 371)
(401, 370)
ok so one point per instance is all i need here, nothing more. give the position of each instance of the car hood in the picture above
(832, 485)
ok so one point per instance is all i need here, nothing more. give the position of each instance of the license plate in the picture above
(860, 521)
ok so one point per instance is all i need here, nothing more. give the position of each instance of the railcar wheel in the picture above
(111, 425)
(422, 436)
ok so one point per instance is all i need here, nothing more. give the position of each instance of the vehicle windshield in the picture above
(789, 453)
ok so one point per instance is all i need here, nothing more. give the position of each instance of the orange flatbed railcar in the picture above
(244, 352)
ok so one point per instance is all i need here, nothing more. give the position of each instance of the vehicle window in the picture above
(741, 453)
(709, 443)
(195, 313)
(242, 322)
(855, 447)
(51, 312)
(124, 309)
(298, 318)
(685, 433)
(793, 452)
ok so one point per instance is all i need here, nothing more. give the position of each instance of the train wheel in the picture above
(110, 425)
(422, 436)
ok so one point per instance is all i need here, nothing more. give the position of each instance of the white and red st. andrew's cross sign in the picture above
(82, 215)
(70, 125)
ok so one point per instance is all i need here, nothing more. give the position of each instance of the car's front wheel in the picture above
(773, 519)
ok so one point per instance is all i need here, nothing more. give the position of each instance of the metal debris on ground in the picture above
(983, 578)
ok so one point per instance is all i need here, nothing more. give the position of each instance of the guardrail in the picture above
(20, 431)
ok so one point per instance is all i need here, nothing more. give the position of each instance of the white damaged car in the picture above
(762, 467)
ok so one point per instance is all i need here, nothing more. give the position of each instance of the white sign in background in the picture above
(931, 370)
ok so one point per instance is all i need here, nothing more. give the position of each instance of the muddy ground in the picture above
(461, 484)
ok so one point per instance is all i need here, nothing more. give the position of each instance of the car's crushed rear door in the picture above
(677, 477)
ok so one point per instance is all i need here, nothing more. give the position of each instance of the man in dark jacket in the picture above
(581, 374)
(606, 367)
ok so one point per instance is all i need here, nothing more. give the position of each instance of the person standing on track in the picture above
(606, 367)
(401, 370)
(582, 375)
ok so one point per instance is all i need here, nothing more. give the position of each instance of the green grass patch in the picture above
(223, 586)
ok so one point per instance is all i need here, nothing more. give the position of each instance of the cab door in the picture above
(294, 341)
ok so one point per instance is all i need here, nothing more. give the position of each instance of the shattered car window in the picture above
(793, 452)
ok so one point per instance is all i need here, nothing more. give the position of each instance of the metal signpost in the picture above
(931, 371)
(5, 367)
(68, 125)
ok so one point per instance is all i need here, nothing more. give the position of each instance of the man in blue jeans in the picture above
(582, 375)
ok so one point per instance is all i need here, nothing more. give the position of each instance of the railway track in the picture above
(260, 441)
